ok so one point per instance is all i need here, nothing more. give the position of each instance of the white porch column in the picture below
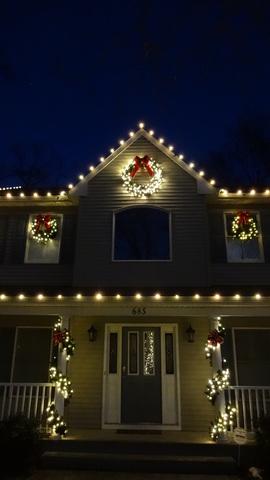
(61, 367)
(217, 365)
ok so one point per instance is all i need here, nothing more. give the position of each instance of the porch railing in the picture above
(30, 399)
(251, 403)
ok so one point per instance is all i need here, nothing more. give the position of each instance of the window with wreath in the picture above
(141, 234)
(43, 238)
(243, 236)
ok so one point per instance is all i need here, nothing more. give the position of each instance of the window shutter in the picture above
(16, 239)
(217, 238)
(68, 239)
(3, 234)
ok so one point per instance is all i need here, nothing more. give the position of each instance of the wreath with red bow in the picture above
(44, 228)
(147, 165)
(244, 226)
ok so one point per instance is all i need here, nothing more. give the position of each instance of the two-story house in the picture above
(138, 262)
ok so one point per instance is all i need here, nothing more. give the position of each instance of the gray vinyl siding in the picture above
(94, 265)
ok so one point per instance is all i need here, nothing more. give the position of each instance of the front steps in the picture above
(139, 457)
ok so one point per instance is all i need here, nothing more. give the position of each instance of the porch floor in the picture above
(163, 436)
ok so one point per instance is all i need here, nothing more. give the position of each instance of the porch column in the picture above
(61, 367)
(217, 365)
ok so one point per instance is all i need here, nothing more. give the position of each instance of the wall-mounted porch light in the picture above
(190, 333)
(92, 333)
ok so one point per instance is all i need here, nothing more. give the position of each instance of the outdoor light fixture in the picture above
(190, 333)
(92, 333)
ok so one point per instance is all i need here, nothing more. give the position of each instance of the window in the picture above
(251, 356)
(133, 353)
(148, 353)
(242, 251)
(142, 234)
(25, 354)
(113, 352)
(36, 252)
(169, 354)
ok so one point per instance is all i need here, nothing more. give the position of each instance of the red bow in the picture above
(215, 338)
(43, 220)
(140, 163)
(243, 218)
(57, 337)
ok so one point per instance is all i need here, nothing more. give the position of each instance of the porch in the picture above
(32, 400)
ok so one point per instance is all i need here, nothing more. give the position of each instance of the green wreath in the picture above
(244, 227)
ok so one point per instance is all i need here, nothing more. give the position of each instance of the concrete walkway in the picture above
(88, 475)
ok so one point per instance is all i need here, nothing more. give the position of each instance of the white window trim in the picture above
(260, 241)
(28, 233)
(143, 261)
(234, 350)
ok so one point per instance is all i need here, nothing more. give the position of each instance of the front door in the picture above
(141, 376)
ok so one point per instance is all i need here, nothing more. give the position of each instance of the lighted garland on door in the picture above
(63, 343)
(44, 228)
(217, 384)
(244, 227)
(144, 164)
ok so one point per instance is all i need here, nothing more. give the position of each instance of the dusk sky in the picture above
(76, 76)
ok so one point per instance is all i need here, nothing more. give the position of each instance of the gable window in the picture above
(142, 234)
(43, 251)
(243, 250)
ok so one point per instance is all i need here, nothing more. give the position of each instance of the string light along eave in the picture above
(193, 299)
(167, 149)
(160, 143)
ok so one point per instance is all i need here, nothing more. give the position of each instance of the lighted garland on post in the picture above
(62, 383)
(244, 226)
(55, 422)
(62, 338)
(217, 384)
(44, 228)
(215, 338)
(145, 164)
(222, 422)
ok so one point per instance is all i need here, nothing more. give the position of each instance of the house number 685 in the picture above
(138, 311)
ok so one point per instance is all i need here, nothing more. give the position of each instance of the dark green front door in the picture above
(141, 376)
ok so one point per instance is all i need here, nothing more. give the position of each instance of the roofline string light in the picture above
(92, 168)
(42, 297)
(223, 192)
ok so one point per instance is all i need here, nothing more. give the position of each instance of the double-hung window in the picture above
(250, 250)
(37, 251)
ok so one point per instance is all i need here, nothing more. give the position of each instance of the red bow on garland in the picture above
(243, 218)
(214, 338)
(58, 337)
(140, 163)
(43, 220)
